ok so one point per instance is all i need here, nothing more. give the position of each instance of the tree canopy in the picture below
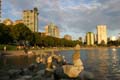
(21, 34)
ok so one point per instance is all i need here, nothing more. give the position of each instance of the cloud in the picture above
(75, 17)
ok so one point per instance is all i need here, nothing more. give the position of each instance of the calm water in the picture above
(103, 63)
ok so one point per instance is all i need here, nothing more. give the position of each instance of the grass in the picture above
(8, 47)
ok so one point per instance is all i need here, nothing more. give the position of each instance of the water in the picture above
(103, 63)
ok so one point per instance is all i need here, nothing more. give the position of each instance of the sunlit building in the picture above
(90, 38)
(52, 30)
(30, 19)
(8, 22)
(46, 30)
(102, 34)
(42, 34)
(67, 37)
(18, 22)
(113, 38)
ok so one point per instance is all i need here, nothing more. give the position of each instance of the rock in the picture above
(43, 75)
(33, 67)
(27, 71)
(72, 71)
(41, 66)
(13, 73)
(4, 77)
(59, 74)
(77, 61)
(39, 75)
(41, 72)
(26, 77)
(76, 56)
(77, 47)
(30, 53)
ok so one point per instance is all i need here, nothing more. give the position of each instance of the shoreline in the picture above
(45, 50)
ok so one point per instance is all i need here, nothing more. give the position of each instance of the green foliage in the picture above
(5, 36)
(21, 32)
(114, 43)
(8, 47)
(21, 35)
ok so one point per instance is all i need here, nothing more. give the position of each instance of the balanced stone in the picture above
(77, 47)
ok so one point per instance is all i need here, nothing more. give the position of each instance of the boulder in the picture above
(77, 47)
(26, 77)
(72, 71)
(13, 73)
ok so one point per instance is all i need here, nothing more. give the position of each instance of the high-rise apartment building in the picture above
(0, 10)
(52, 30)
(30, 19)
(90, 38)
(102, 34)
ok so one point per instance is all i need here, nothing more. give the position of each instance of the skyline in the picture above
(73, 17)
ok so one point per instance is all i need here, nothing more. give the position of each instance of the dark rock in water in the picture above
(26, 77)
(43, 75)
(33, 67)
(13, 73)
(26, 72)
(48, 73)
(41, 66)
(4, 74)
(4, 77)
(59, 74)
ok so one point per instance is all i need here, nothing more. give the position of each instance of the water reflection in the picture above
(103, 62)
(97, 62)
(114, 64)
(16, 61)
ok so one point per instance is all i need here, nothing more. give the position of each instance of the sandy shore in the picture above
(45, 50)
(31, 52)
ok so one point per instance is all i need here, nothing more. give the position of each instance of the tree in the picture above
(102, 43)
(21, 32)
(5, 36)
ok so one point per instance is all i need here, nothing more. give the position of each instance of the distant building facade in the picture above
(18, 22)
(119, 36)
(113, 38)
(8, 22)
(30, 19)
(42, 34)
(102, 34)
(52, 30)
(90, 38)
(67, 37)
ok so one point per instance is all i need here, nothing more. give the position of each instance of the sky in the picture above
(73, 17)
